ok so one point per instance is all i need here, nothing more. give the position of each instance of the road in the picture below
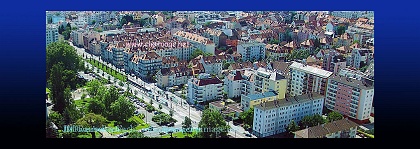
(179, 111)
(177, 104)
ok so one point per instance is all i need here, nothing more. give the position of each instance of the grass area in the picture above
(138, 121)
(179, 135)
(82, 102)
(88, 135)
(106, 69)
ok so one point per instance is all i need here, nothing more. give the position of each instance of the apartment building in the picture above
(251, 51)
(233, 84)
(305, 79)
(149, 64)
(173, 76)
(204, 88)
(350, 97)
(200, 42)
(52, 33)
(275, 52)
(250, 100)
(272, 117)
(267, 80)
(361, 57)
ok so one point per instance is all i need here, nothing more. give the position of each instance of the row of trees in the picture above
(313, 120)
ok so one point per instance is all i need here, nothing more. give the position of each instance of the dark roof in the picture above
(363, 52)
(362, 84)
(203, 82)
(339, 58)
(288, 101)
(328, 128)
(299, 21)
(181, 70)
(237, 76)
(217, 104)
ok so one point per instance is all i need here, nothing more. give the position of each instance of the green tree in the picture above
(196, 53)
(364, 68)
(226, 65)
(93, 87)
(96, 106)
(333, 116)
(93, 22)
(149, 108)
(57, 119)
(136, 134)
(292, 127)
(247, 116)
(57, 88)
(122, 109)
(160, 107)
(341, 30)
(187, 125)
(49, 20)
(212, 125)
(230, 51)
(64, 54)
(92, 120)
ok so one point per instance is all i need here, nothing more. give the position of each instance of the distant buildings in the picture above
(272, 117)
(173, 76)
(51, 33)
(200, 42)
(343, 128)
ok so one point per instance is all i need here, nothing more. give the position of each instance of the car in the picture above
(125, 134)
(170, 124)
(156, 112)
(248, 135)
(162, 133)
(143, 130)
(150, 128)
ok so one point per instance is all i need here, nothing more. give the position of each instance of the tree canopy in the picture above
(333, 116)
(65, 55)
(312, 120)
(122, 109)
(292, 127)
(212, 125)
(186, 125)
(247, 116)
(92, 120)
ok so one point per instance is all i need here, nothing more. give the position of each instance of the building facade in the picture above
(272, 117)
(350, 97)
(251, 51)
(204, 89)
(52, 34)
(305, 79)
(233, 84)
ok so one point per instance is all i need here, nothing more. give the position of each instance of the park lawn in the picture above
(107, 70)
(140, 125)
(88, 135)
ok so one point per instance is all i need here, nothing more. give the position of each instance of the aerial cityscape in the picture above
(209, 74)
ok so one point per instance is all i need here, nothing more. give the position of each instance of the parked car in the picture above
(248, 135)
(162, 133)
(170, 124)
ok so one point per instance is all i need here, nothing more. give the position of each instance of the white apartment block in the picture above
(182, 53)
(350, 97)
(204, 88)
(251, 51)
(52, 33)
(361, 57)
(77, 37)
(305, 79)
(272, 117)
(233, 84)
